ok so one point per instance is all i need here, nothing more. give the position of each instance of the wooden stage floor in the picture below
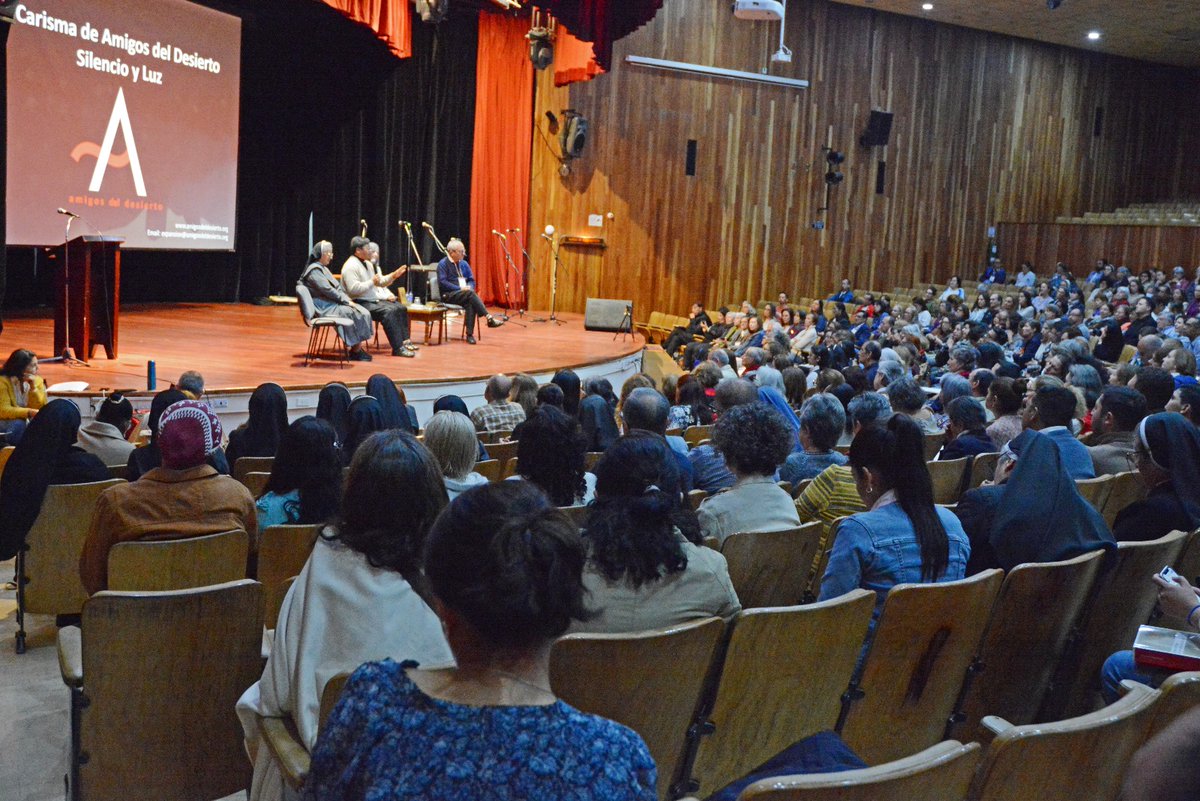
(237, 346)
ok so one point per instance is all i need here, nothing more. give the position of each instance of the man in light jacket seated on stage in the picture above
(183, 498)
(457, 286)
(368, 286)
(105, 436)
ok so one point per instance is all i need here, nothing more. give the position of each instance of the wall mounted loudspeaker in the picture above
(879, 129)
(573, 135)
(603, 314)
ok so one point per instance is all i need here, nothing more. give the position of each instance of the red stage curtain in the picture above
(574, 59)
(602, 22)
(501, 160)
(390, 19)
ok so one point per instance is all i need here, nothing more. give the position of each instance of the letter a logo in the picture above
(120, 117)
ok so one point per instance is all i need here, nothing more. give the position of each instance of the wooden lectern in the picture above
(87, 295)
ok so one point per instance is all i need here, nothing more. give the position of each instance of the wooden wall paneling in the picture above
(1135, 246)
(987, 128)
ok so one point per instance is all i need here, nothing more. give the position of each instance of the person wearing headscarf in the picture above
(46, 455)
(145, 459)
(330, 300)
(333, 406)
(1033, 513)
(395, 411)
(1167, 455)
(365, 418)
(568, 382)
(184, 498)
(775, 399)
(596, 415)
(260, 435)
(453, 403)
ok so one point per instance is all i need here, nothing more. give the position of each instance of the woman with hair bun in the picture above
(506, 570)
(646, 567)
(902, 537)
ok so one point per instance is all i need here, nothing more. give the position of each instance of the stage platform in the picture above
(237, 346)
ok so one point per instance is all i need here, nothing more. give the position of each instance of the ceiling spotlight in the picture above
(833, 177)
(1094, 35)
(834, 157)
(927, 6)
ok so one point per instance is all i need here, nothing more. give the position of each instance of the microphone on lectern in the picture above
(67, 213)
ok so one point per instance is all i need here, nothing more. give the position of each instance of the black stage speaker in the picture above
(879, 129)
(608, 315)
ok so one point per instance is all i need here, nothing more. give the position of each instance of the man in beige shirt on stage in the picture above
(368, 286)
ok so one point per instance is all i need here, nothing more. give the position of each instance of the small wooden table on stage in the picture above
(431, 316)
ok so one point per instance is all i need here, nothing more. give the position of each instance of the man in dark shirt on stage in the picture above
(457, 286)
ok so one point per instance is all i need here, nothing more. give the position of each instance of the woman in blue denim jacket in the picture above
(903, 537)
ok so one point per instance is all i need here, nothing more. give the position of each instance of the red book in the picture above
(1166, 649)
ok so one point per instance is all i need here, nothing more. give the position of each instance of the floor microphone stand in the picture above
(507, 296)
(407, 229)
(525, 275)
(412, 249)
(554, 249)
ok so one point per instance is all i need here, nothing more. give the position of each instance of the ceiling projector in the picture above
(758, 9)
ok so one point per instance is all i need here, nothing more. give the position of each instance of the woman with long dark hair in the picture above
(45, 455)
(333, 406)
(552, 453)
(597, 414)
(568, 382)
(902, 537)
(260, 435)
(22, 393)
(365, 418)
(646, 567)
(360, 596)
(306, 477)
(691, 405)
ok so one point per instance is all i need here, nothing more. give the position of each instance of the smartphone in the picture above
(1168, 573)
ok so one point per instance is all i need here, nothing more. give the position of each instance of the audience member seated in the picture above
(1050, 410)
(1167, 456)
(105, 437)
(906, 397)
(22, 393)
(1005, 403)
(1186, 401)
(834, 493)
(1181, 364)
(1157, 385)
(1167, 768)
(450, 436)
(360, 596)
(333, 406)
(646, 568)
(902, 537)
(184, 498)
(191, 384)
(365, 418)
(507, 573)
(568, 382)
(966, 435)
(691, 405)
(396, 411)
(499, 413)
(305, 486)
(697, 325)
(597, 415)
(822, 420)
(260, 434)
(845, 294)
(524, 393)
(552, 453)
(1180, 602)
(47, 454)
(951, 386)
(647, 410)
(709, 472)
(1031, 513)
(1117, 413)
(755, 441)
(143, 460)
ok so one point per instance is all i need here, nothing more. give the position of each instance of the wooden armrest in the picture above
(996, 724)
(283, 739)
(70, 655)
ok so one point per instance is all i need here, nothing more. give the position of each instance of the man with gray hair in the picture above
(647, 409)
(457, 286)
(191, 383)
(833, 493)
(752, 359)
(368, 286)
(499, 413)
(708, 465)
(887, 373)
(720, 357)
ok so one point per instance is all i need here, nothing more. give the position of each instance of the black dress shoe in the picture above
(470, 339)
(494, 323)
(359, 356)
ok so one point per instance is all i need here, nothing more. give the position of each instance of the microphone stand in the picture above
(412, 250)
(554, 249)
(507, 297)
(525, 275)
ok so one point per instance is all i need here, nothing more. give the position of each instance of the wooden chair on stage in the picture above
(153, 680)
(48, 580)
(650, 681)
(320, 328)
(165, 565)
(453, 309)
